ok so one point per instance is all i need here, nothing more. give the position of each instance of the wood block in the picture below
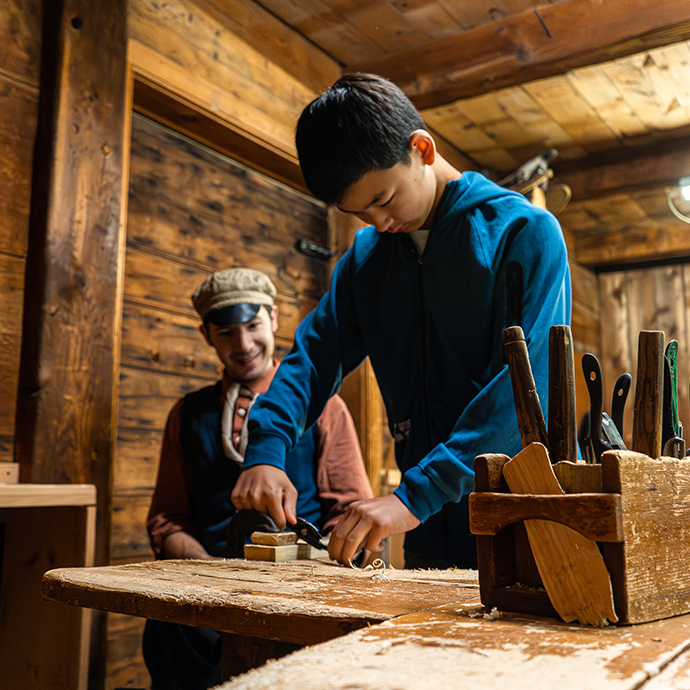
(276, 554)
(274, 538)
(282, 554)
(9, 472)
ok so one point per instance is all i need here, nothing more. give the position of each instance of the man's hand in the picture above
(366, 524)
(267, 489)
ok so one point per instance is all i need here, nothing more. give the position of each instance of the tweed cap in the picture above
(233, 295)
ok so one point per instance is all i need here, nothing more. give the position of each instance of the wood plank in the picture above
(656, 510)
(136, 459)
(18, 114)
(124, 659)
(42, 645)
(636, 243)
(627, 169)
(280, 554)
(158, 283)
(146, 397)
(618, 348)
(129, 535)
(178, 45)
(190, 203)
(302, 602)
(168, 342)
(596, 516)
(64, 427)
(11, 307)
(46, 495)
(528, 46)
(20, 27)
(298, 56)
(177, 112)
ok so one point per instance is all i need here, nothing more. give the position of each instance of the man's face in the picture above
(397, 199)
(245, 349)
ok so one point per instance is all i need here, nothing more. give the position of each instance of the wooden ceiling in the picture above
(605, 82)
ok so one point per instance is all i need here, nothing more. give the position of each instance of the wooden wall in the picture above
(20, 32)
(655, 298)
(191, 212)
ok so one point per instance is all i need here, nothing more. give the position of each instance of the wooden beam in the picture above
(531, 45)
(640, 245)
(67, 385)
(290, 50)
(185, 117)
(625, 170)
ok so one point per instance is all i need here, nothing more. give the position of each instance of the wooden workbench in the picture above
(392, 631)
(303, 602)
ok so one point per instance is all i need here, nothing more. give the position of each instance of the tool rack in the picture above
(635, 507)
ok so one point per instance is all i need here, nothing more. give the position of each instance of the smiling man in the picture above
(202, 455)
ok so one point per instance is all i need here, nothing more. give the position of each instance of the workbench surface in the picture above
(462, 646)
(408, 629)
(303, 602)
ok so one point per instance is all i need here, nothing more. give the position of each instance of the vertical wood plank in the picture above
(65, 400)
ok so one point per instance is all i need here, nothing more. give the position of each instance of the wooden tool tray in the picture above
(636, 508)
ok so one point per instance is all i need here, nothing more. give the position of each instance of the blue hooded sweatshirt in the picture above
(432, 327)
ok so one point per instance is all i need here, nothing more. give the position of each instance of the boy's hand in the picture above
(366, 524)
(267, 489)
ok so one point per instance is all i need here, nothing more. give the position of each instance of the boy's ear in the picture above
(425, 144)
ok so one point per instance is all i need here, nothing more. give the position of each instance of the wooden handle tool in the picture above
(649, 387)
(570, 565)
(527, 406)
(562, 425)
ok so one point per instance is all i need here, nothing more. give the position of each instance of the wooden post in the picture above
(70, 346)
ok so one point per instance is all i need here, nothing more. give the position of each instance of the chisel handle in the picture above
(562, 414)
(530, 417)
(649, 394)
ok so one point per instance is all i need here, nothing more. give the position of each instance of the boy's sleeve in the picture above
(327, 346)
(489, 423)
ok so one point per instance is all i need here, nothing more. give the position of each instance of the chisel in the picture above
(562, 427)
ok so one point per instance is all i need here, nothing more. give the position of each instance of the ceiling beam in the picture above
(531, 45)
(626, 170)
(635, 245)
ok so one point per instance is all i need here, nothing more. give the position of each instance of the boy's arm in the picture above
(327, 347)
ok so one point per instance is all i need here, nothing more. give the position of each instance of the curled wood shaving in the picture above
(379, 568)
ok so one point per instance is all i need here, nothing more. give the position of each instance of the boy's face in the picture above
(245, 349)
(397, 199)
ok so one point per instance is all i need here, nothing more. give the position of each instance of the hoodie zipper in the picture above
(422, 331)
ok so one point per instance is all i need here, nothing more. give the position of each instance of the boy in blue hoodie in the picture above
(422, 293)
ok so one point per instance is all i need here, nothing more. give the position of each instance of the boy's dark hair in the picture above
(361, 123)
